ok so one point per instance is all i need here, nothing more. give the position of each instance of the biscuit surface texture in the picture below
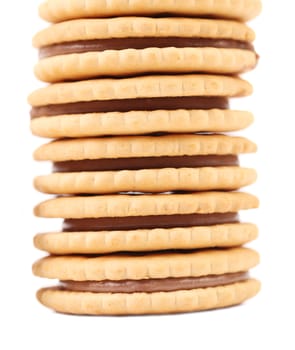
(57, 11)
(148, 303)
(141, 87)
(150, 60)
(226, 235)
(140, 122)
(130, 27)
(143, 146)
(149, 180)
(145, 205)
(125, 267)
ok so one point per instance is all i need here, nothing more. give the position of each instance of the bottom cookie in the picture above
(87, 303)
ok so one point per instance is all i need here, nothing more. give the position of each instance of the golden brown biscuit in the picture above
(142, 266)
(132, 27)
(146, 180)
(143, 146)
(226, 235)
(150, 60)
(140, 87)
(145, 205)
(57, 11)
(140, 122)
(148, 303)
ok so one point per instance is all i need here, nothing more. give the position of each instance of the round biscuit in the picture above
(137, 27)
(148, 303)
(141, 87)
(128, 62)
(146, 180)
(58, 11)
(145, 205)
(155, 265)
(140, 122)
(102, 242)
(143, 146)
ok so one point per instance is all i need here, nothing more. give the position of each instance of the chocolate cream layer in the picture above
(154, 285)
(98, 45)
(127, 105)
(148, 222)
(146, 163)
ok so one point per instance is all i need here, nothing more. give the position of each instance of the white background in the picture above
(266, 321)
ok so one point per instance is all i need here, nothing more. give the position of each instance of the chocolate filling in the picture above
(148, 222)
(145, 163)
(98, 45)
(137, 104)
(154, 285)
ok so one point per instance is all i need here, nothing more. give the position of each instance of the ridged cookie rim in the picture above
(132, 27)
(145, 205)
(143, 146)
(146, 180)
(141, 87)
(144, 303)
(102, 242)
(116, 267)
(57, 11)
(141, 122)
(113, 63)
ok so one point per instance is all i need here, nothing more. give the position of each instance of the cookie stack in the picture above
(143, 176)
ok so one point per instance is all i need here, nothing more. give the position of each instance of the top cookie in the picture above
(138, 27)
(57, 11)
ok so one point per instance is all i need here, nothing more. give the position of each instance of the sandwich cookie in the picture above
(84, 49)
(58, 11)
(139, 105)
(148, 283)
(112, 223)
(145, 164)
